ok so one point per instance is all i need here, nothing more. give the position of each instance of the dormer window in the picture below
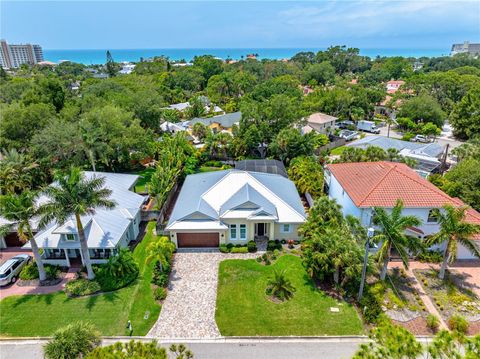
(70, 237)
(433, 216)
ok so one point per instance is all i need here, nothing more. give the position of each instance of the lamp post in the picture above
(370, 233)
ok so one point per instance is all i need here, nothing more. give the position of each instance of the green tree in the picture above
(17, 171)
(392, 226)
(209, 65)
(20, 210)
(74, 195)
(389, 341)
(307, 174)
(280, 286)
(200, 130)
(161, 251)
(322, 73)
(290, 143)
(423, 108)
(454, 230)
(325, 213)
(111, 66)
(463, 181)
(465, 117)
(72, 342)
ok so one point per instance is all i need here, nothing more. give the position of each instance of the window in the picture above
(285, 228)
(233, 231)
(243, 231)
(70, 237)
(433, 216)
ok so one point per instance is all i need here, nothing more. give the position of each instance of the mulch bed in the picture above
(37, 283)
(417, 326)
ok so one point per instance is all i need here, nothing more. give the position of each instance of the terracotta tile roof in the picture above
(380, 184)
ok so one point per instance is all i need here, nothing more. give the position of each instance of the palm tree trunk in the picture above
(92, 159)
(383, 273)
(336, 275)
(36, 255)
(446, 258)
(84, 248)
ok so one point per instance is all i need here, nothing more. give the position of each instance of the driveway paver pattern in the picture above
(189, 309)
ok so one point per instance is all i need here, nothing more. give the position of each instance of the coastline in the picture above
(98, 56)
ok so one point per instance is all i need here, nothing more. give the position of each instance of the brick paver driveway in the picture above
(189, 309)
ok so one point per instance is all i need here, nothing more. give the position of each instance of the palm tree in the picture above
(454, 230)
(20, 209)
(160, 250)
(280, 286)
(393, 235)
(74, 195)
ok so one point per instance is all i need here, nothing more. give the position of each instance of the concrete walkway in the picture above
(15, 289)
(189, 309)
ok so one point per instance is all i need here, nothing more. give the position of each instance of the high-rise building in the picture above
(12, 56)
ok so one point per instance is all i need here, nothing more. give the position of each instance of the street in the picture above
(223, 348)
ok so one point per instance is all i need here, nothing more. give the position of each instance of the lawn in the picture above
(145, 176)
(41, 315)
(338, 151)
(211, 169)
(244, 309)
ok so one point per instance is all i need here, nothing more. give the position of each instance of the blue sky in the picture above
(229, 24)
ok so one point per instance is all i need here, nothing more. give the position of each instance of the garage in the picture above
(12, 240)
(185, 240)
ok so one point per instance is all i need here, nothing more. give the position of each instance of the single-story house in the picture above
(106, 230)
(173, 128)
(426, 155)
(394, 85)
(359, 187)
(319, 122)
(209, 106)
(235, 206)
(220, 123)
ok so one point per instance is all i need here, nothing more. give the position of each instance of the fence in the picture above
(335, 142)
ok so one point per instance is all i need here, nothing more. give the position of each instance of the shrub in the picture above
(213, 164)
(267, 262)
(223, 248)
(134, 349)
(259, 259)
(79, 287)
(240, 250)
(280, 286)
(458, 323)
(160, 293)
(73, 341)
(430, 257)
(230, 246)
(407, 136)
(433, 322)
(272, 245)
(372, 302)
(30, 271)
(123, 264)
(160, 278)
(252, 246)
(283, 241)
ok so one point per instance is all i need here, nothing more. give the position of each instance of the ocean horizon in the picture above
(98, 56)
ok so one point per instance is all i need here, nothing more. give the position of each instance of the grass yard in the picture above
(202, 169)
(145, 176)
(338, 151)
(244, 309)
(41, 315)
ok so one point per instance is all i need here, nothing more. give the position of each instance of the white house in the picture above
(359, 187)
(235, 206)
(319, 122)
(106, 230)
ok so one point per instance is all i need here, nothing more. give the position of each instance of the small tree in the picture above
(454, 230)
(160, 250)
(200, 130)
(73, 341)
(280, 286)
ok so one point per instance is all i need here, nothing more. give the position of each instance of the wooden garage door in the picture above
(197, 240)
(12, 240)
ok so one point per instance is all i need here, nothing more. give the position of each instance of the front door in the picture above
(260, 229)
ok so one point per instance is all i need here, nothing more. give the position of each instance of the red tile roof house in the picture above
(358, 187)
(393, 86)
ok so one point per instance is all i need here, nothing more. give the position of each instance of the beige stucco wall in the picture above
(292, 235)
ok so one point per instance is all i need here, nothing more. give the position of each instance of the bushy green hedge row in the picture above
(30, 271)
(82, 286)
(250, 247)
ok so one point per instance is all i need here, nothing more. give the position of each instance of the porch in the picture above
(73, 257)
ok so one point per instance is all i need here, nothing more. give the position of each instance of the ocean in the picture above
(98, 56)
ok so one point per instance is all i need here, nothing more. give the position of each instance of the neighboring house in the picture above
(319, 122)
(265, 166)
(426, 155)
(209, 106)
(358, 187)
(127, 68)
(465, 48)
(221, 123)
(106, 231)
(235, 207)
(173, 128)
(393, 86)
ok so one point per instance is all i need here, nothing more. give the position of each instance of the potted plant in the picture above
(290, 243)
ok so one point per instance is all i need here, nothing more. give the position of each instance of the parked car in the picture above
(421, 138)
(10, 270)
(345, 124)
(368, 126)
(348, 135)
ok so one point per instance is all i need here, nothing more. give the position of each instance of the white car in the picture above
(10, 270)
(421, 138)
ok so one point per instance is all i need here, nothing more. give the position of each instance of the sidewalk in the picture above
(15, 289)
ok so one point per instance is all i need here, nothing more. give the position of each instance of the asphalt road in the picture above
(330, 348)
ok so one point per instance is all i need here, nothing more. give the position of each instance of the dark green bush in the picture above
(223, 248)
(73, 341)
(160, 293)
(371, 303)
(213, 164)
(30, 271)
(272, 245)
(430, 256)
(160, 278)
(252, 246)
(230, 246)
(79, 287)
(118, 272)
